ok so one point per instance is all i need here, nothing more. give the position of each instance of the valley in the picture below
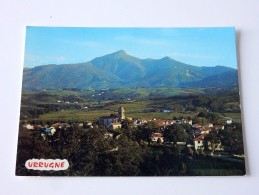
(118, 115)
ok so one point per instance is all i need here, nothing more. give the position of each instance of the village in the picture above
(196, 137)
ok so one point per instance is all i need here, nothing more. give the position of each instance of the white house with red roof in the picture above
(155, 136)
(196, 126)
(59, 125)
(199, 142)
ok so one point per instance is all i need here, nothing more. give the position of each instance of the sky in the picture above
(194, 46)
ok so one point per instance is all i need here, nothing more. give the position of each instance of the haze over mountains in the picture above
(119, 69)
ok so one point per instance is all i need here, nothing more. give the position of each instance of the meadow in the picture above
(89, 105)
(136, 109)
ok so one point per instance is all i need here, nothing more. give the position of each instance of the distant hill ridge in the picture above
(119, 69)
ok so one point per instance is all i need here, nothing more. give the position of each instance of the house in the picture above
(88, 124)
(208, 125)
(181, 143)
(197, 132)
(167, 111)
(32, 127)
(139, 122)
(130, 118)
(114, 126)
(108, 135)
(111, 134)
(114, 149)
(173, 122)
(228, 121)
(50, 131)
(59, 125)
(196, 126)
(154, 137)
(84, 108)
(199, 142)
(185, 121)
(204, 130)
(29, 126)
(162, 123)
(80, 124)
(219, 127)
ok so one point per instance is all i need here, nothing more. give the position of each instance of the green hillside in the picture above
(120, 70)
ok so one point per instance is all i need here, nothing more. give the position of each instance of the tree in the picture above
(232, 139)
(152, 126)
(212, 140)
(202, 120)
(30, 145)
(189, 131)
(89, 146)
(127, 124)
(159, 141)
(145, 131)
(162, 161)
(201, 114)
(99, 156)
(176, 133)
(216, 105)
(214, 117)
(127, 158)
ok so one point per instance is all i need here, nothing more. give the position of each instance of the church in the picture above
(113, 121)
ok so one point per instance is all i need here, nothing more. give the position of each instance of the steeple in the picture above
(121, 113)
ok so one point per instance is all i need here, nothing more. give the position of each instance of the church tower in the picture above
(121, 113)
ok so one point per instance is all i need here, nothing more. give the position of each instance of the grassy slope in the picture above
(235, 116)
(133, 109)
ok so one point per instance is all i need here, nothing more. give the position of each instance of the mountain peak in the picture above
(120, 52)
(166, 58)
(117, 54)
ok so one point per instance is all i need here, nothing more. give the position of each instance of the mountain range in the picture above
(119, 69)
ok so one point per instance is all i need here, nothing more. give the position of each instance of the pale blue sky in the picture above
(195, 46)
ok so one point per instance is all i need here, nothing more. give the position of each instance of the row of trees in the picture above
(87, 150)
(90, 152)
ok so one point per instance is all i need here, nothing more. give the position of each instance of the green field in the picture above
(64, 104)
(133, 109)
(235, 116)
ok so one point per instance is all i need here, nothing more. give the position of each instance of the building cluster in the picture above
(49, 130)
(114, 121)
